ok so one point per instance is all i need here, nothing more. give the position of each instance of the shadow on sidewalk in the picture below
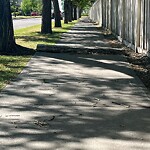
(76, 101)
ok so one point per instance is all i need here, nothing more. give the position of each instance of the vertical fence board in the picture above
(148, 31)
(129, 20)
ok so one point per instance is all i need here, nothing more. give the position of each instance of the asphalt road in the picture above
(22, 23)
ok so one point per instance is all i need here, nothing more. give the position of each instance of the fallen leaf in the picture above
(53, 117)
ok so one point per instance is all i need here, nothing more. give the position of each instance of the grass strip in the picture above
(25, 17)
(11, 66)
(29, 37)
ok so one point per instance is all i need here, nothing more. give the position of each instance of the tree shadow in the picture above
(40, 38)
(63, 100)
(74, 101)
(19, 51)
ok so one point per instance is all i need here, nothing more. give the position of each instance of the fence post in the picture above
(142, 25)
(137, 24)
(109, 14)
(148, 34)
(128, 19)
(101, 12)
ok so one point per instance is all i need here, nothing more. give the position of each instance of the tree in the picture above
(7, 40)
(31, 5)
(14, 2)
(36, 5)
(26, 7)
(46, 17)
(15, 7)
(66, 13)
(82, 4)
(39, 6)
(70, 11)
(70, 8)
(57, 13)
(75, 12)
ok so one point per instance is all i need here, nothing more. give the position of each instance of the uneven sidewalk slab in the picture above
(84, 37)
(75, 102)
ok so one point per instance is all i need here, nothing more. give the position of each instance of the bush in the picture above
(29, 6)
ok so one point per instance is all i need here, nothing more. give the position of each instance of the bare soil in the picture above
(140, 63)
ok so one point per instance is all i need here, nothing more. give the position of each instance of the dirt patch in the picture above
(140, 63)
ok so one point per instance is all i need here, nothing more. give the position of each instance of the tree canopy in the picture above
(31, 5)
(83, 3)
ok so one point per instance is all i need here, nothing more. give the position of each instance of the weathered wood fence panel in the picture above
(129, 20)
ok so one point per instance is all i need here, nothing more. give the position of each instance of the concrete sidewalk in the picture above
(70, 101)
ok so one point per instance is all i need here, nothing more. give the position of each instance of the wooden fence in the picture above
(129, 20)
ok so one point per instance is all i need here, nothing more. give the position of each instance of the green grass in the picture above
(31, 36)
(11, 66)
(25, 17)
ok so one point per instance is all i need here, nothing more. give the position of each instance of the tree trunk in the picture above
(71, 5)
(66, 11)
(7, 40)
(80, 12)
(46, 17)
(75, 13)
(69, 11)
(57, 13)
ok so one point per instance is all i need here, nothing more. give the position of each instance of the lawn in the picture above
(11, 66)
(31, 36)
(25, 17)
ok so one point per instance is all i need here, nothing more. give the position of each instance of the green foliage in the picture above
(13, 9)
(39, 6)
(16, 10)
(26, 7)
(14, 2)
(36, 5)
(31, 5)
(83, 3)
